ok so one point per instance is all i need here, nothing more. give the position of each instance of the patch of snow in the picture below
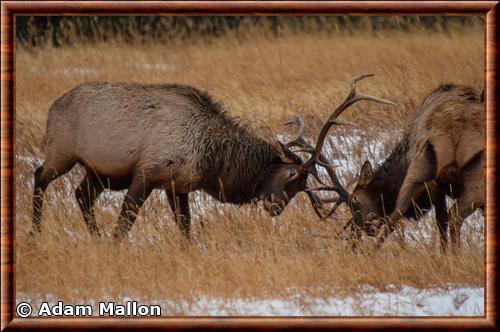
(152, 66)
(403, 301)
(80, 71)
(408, 301)
(30, 160)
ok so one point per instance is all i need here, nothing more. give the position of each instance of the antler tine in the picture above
(335, 180)
(317, 204)
(318, 158)
(352, 98)
(321, 160)
(299, 140)
(337, 187)
(297, 119)
(334, 208)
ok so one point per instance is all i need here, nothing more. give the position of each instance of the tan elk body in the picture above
(441, 154)
(168, 136)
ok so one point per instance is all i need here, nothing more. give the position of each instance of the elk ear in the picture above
(365, 175)
(482, 96)
(280, 153)
(283, 155)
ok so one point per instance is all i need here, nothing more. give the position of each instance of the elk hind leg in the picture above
(470, 199)
(44, 175)
(138, 191)
(180, 206)
(86, 194)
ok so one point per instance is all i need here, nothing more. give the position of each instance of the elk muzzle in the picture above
(274, 205)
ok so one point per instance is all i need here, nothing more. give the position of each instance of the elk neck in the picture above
(235, 160)
(388, 177)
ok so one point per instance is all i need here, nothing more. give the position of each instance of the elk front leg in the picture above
(455, 225)
(383, 234)
(442, 219)
(137, 193)
(420, 171)
(180, 208)
(86, 194)
(352, 234)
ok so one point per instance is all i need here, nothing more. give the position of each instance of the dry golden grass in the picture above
(239, 252)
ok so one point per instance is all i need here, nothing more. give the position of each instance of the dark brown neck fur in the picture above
(388, 178)
(231, 157)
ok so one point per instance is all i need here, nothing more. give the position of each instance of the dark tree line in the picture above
(67, 30)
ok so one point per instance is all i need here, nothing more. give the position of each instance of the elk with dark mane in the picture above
(440, 154)
(171, 137)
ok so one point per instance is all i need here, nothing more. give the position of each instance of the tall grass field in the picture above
(240, 254)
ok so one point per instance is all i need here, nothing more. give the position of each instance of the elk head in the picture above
(364, 208)
(281, 181)
(318, 159)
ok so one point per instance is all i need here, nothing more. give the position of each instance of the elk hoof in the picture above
(374, 220)
(377, 223)
(276, 210)
(35, 231)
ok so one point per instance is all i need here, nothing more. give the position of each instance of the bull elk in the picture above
(171, 137)
(440, 154)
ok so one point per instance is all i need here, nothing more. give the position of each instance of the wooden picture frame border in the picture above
(9, 9)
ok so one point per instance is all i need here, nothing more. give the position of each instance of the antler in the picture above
(316, 201)
(352, 98)
(318, 158)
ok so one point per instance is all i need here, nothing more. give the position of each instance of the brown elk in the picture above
(440, 154)
(171, 137)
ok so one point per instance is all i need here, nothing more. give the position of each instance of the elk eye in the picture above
(292, 173)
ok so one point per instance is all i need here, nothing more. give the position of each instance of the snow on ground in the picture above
(408, 301)
(87, 72)
(404, 301)
(156, 67)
